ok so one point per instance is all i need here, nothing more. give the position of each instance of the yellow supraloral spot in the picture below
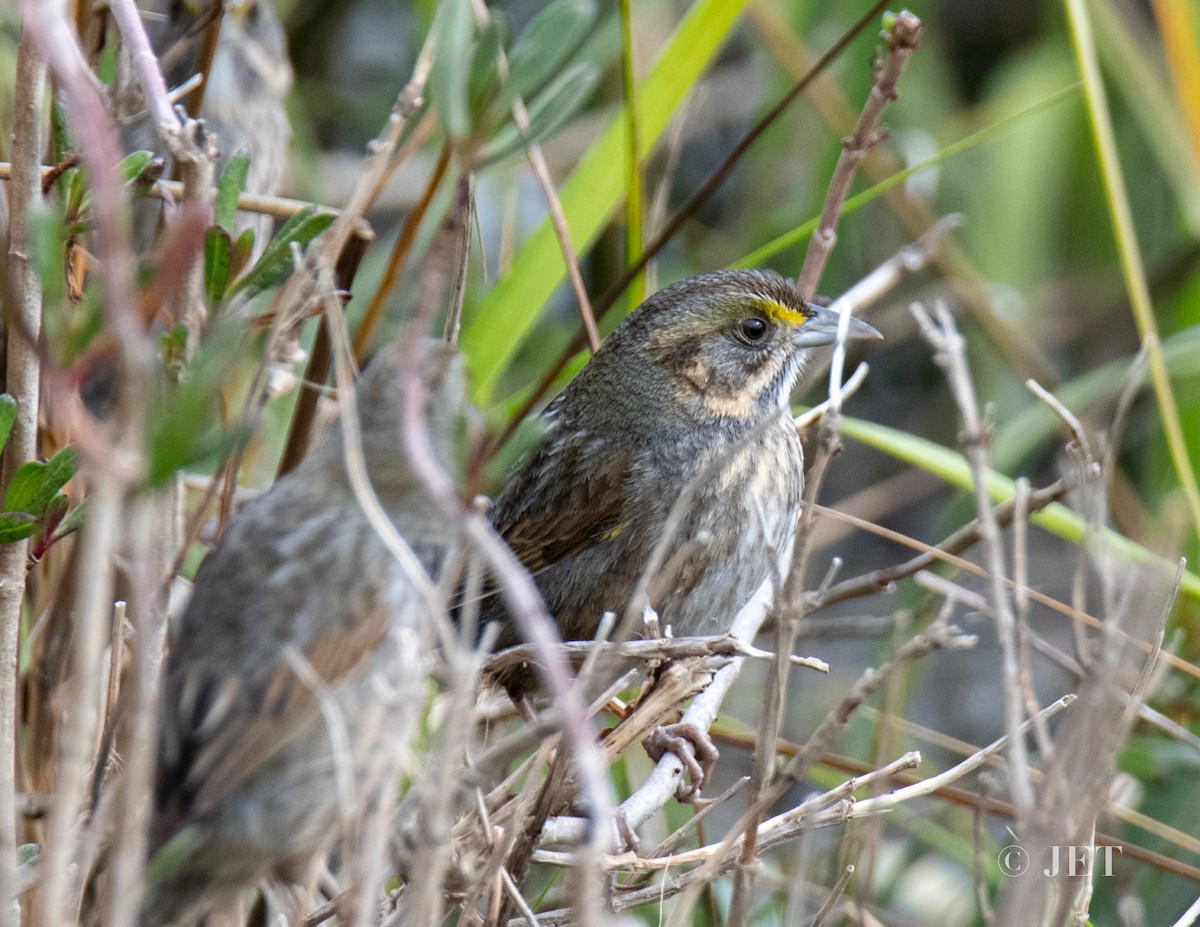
(779, 312)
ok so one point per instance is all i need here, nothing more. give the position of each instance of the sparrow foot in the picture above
(695, 751)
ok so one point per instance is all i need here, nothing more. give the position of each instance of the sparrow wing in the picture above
(568, 497)
(273, 626)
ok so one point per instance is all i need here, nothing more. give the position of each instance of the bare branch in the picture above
(662, 648)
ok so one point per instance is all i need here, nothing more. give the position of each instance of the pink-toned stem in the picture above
(902, 41)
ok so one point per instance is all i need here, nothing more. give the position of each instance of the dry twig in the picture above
(950, 354)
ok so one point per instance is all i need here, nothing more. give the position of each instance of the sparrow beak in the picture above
(822, 325)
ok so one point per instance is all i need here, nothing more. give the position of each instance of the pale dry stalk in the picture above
(950, 354)
(148, 547)
(831, 808)
(21, 382)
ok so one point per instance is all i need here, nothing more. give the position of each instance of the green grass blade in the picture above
(952, 467)
(633, 164)
(1130, 254)
(499, 324)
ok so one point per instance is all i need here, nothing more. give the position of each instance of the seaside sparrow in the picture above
(689, 396)
(295, 674)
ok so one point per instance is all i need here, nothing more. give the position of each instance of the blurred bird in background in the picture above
(295, 675)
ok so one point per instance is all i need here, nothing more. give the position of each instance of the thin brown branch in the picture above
(996, 807)
(464, 203)
(834, 894)
(292, 302)
(1021, 605)
(968, 283)
(558, 220)
(666, 648)
(317, 371)
(1036, 595)
(208, 51)
(278, 207)
(397, 259)
(902, 39)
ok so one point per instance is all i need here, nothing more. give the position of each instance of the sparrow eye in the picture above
(752, 329)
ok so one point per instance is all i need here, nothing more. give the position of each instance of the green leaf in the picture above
(276, 261)
(549, 111)
(149, 176)
(484, 79)
(16, 526)
(229, 188)
(24, 486)
(60, 142)
(174, 855)
(73, 521)
(181, 419)
(500, 323)
(218, 247)
(132, 165)
(449, 77)
(8, 415)
(56, 510)
(78, 196)
(58, 470)
(243, 247)
(546, 43)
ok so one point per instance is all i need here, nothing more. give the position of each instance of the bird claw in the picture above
(628, 837)
(695, 751)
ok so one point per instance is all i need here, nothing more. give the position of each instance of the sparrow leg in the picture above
(695, 751)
